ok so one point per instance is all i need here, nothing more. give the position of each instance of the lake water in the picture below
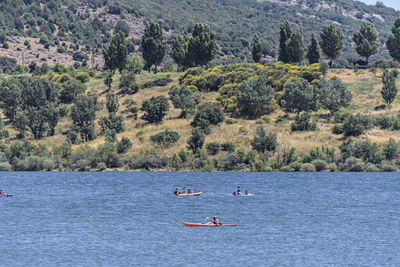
(125, 219)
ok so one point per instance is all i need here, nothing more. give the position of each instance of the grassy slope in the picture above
(365, 87)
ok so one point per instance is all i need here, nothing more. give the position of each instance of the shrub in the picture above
(371, 168)
(206, 115)
(166, 138)
(123, 145)
(337, 129)
(127, 83)
(82, 76)
(307, 167)
(228, 147)
(213, 148)
(158, 82)
(384, 122)
(5, 166)
(147, 162)
(331, 167)
(285, 169)
(388, 166)
(295, 166)
(302, 123)
(196, 141)
(70, 89)
(353, 164)
(101, 166)
(263, 142)
(355, 125)
(231, 162)
(319, 164)
(155, 109)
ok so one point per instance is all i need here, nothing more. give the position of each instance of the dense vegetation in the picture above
(90, 24)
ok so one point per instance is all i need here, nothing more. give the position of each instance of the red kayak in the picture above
(206, 224)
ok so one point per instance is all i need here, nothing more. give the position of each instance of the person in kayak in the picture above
(176, 192)
(238, 191)
(189, 191)
(215, 221)
(247, 192)
(2, 192)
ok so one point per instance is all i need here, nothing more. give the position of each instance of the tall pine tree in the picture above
(154, 44)
(313, 53)
(116, 53)
(295, 47)
(331, 42)
(389, 89)
(285, 33)
(366, 40)
(201, 49)
(256, 49)
(393, 41)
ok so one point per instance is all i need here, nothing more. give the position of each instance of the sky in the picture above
(389, 3)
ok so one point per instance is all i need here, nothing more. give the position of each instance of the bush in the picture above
(371, 168)
(147, 162)
(134, 65)
(384, 122)
(196, 141)
(319, 164)
(213, 148)
(123, 145)
(331, 167)
(231, 162)
(337, 129)
(355, 125)
(206, 115)
(388, 166)
(155, 109)
(228, 147)
(353, 164)
(166, 138)
(5, 166)
(127, 83)
(158, 82)
(101, 166)
(307, 167)
(263, 142)
(295, 166)
(302, 123)
(82, 76)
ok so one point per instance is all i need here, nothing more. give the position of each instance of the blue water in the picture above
(125, 219)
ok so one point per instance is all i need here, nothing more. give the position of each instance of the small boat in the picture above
(7, 195)
(186, 194)
(206, 224)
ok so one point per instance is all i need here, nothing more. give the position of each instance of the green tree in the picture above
(207, 115)
(155, 109)
(19, 123)
(295, 47)
(331, 42)
(393, 41)
(332, 94)
(391, 150)
(196, 141)
(52, 116)
(154, 44)
(70, 89)
(108, 79)
(256, 49)
(83, 114)
(180, 52)
(202, 45)
(389, 89)
(116, 53)
(182, 98)
(355, 125)
(122, 26)
(10, 98)
(285, 34)
(127, 83)
(314, 54)
(135, 65)
(298, 96)
(263, 142)
(256, 97)
(112, 102)
(366, 40)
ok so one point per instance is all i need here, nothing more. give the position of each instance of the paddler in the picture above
(189, 191)
(238, 191)
(176, 192)
(2, 192)
(247, 192)
(215, 220)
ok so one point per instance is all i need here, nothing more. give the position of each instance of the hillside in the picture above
(87, 25)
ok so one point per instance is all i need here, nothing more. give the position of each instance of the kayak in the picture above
(8, 195)
(186, 194)
(207, 225)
